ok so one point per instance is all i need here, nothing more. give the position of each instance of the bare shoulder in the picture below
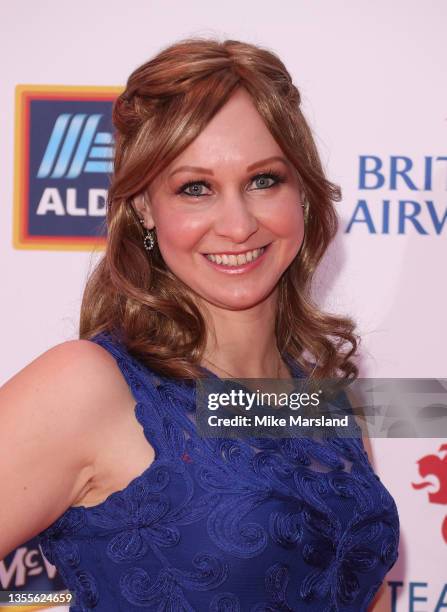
(50, 415)
(76, 371)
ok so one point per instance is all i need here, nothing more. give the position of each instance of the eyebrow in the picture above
(261, 162)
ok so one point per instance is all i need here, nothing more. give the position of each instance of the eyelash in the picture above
(276, 176)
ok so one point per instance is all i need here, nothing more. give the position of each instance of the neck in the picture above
(243, 342)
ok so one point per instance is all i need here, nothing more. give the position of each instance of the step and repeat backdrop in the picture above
(373, 82)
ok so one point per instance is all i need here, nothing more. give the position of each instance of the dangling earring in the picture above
(149, 238)
(305, 207)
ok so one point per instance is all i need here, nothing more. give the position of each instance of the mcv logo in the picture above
(75, 146)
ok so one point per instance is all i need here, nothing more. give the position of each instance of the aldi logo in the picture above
(64, 158)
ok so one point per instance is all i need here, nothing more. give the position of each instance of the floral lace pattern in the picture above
(225, 525)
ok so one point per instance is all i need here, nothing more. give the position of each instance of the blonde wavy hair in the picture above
(167, 102)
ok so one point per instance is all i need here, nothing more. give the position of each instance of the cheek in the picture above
(179, 232)
(288, 221)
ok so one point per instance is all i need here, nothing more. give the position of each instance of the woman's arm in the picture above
(49, 414)
(381, 602)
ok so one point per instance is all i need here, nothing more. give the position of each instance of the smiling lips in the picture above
(225, 259)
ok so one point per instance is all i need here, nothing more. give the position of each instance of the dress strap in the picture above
(141, 380)
(150, 408)
(162, 403)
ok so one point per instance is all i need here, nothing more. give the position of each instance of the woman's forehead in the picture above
(235, 137)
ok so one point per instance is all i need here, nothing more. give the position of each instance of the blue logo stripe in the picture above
(101, 153)
(103, 138)
(84, 146)
(69, 145)
(53, 145)
(96, 166)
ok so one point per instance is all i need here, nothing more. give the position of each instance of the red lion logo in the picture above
(432, 465)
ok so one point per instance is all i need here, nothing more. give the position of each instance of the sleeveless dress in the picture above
(217, 525)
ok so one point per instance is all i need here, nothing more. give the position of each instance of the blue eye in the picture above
(262, 178)
(195, 188)
(270, 175)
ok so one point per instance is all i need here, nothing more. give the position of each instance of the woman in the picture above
(218, 214)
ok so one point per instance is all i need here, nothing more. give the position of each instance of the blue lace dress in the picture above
(219, 526)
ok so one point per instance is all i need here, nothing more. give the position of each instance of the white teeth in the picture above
(236, 260)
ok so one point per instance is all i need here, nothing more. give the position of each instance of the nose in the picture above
(235, 219)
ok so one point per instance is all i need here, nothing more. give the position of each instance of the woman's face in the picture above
(232, 191)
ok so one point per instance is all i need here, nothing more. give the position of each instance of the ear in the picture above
(143, 208)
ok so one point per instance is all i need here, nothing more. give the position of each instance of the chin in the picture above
(238, 302)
